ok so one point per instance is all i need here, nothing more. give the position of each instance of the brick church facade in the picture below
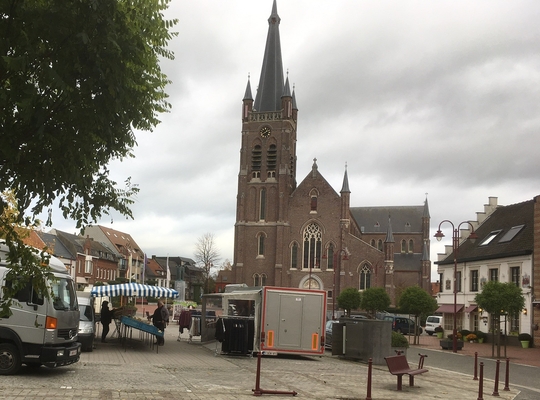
(307, 235)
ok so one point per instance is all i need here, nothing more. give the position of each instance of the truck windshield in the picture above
(64, 297)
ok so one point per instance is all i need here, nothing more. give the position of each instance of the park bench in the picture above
(398, 365)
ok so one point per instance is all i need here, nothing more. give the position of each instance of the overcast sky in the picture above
(416, 97)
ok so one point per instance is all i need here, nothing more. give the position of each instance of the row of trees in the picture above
(496, 298)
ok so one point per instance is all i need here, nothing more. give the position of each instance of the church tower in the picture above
(267, 175)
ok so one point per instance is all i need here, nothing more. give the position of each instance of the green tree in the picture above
(349, 299)
(77, 78)
(498, 299)
(416, 301)
(375, 299)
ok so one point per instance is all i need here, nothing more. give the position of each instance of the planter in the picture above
(480, 340)
(439, 335)
(525, 344)
(448, 344)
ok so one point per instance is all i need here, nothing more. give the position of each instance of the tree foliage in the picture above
(76, 79)
(416, 301)
(349, 299)
(206, 255)
(375, 299)
(500, 298)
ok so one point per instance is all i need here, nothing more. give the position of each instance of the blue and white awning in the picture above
(133, 290)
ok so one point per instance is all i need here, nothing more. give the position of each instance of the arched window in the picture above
(313, 203)
(256, 280)
(403, 246)
(365, 277)
(373, 243)
(262, 205)
(271, 158)
(411, 246)
(263, 280)
(379, 245)
(260, 247)
(330, 257)
(312, 246)
(294, 256)
(256, 159)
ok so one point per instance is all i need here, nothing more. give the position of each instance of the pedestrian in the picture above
(106, 319)
(160, 319)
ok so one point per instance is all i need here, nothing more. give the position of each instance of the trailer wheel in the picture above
(10, 359)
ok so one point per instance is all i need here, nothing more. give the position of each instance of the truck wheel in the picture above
(10, 359)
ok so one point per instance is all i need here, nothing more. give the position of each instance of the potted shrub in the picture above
(439, 331)
(525, 339)
(471, 337)
(448, 343)
(399, 342)
(480, 336)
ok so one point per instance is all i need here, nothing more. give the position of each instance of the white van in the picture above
(87, 321)
(432, 322)
(39, 330)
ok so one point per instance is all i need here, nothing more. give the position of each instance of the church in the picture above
(308, 235)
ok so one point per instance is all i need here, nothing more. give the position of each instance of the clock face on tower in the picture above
(265, 131)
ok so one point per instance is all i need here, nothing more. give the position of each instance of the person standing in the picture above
(106, 319)
(160, 319)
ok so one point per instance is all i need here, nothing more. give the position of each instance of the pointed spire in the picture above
(345, 186)
(248, 95)
(287, 89)
(270, 89)
(389, 233)
(426, 209)
(294, 106)
(314, 168)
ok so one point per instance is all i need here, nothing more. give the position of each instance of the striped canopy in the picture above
(133, 290)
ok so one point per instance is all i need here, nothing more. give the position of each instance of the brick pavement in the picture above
(193, 371)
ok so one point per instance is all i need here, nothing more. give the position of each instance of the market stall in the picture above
(124, 322)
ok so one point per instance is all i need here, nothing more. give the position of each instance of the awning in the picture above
(449, 308)
(471, 308)
(133, 290)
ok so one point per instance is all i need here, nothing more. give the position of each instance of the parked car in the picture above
(328, 333)
(402, 324)
(432, 322)
(87, 321)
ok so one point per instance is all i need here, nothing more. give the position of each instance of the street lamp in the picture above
(455, 245)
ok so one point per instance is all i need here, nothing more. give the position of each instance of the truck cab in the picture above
(41, 330)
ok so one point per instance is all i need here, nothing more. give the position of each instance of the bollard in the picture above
(370, 369)
(475, 366)
(496, 389)
(507, 375)
(481, 383)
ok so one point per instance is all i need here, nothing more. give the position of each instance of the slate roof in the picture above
(503, 219)
(375, 219)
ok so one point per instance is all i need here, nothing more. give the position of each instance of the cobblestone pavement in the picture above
(190, 370)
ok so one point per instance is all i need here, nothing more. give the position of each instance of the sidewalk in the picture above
(515, 354)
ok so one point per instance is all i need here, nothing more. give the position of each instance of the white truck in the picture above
(40, 330)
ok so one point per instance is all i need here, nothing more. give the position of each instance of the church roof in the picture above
(375, 219)
(271, 83)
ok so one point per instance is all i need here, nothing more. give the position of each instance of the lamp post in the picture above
(344, 256)
(455, 245)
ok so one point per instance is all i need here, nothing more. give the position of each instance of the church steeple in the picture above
(270, 89)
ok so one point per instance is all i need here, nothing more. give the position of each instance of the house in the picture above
(130, 256)
(505, 252)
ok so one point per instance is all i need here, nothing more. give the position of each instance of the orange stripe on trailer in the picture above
(270, 341)
(315, 341)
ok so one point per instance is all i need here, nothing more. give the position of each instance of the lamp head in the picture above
(439, 235)
(472, 237)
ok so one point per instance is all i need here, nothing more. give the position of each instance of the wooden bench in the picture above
(398, 365)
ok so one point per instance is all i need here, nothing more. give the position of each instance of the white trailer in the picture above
(272, 320)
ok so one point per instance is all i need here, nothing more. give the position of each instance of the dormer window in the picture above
(511, 234)
(489, 238)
